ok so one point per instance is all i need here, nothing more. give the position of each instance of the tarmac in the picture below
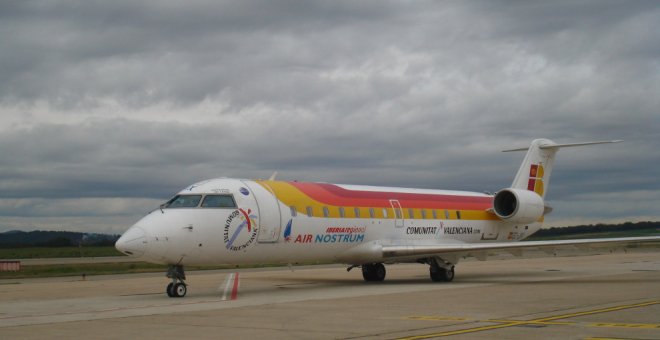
(608, 296)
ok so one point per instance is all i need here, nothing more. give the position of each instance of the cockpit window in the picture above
(184, 201)
(218, 201)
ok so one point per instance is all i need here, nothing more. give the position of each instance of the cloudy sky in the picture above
(110, 107)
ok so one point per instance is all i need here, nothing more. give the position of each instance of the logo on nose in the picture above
(236, 239)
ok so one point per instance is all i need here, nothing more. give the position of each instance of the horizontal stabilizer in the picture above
(553, 145)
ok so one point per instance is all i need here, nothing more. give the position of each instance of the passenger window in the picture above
(357, 212)
(423, 214)
(326, 212)
(384, 213)
(341, 212)
(310, 212)
(184, 201)
(411, 212)
(435, 214)
(372, 213)
(218, 201)
(446, 214)
(458, 214)
(294, 213)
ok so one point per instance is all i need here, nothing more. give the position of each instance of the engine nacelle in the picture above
(518, 206)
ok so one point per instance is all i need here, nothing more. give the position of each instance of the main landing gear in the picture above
(176, 288)
(441, 272)
(373, 272)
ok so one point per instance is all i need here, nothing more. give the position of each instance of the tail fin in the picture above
(534, 172)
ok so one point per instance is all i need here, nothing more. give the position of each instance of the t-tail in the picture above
(523, 201)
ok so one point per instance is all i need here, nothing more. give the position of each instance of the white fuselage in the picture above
(278, 222)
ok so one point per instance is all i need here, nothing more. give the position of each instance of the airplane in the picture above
(248, 222)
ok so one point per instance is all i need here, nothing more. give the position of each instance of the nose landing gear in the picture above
(178, 287)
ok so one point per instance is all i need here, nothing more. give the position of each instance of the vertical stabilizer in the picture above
(534, 172)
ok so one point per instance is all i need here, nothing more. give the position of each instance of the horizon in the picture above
(543, 227)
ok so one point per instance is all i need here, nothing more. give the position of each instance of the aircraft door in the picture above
(398, 213)
(269, 212)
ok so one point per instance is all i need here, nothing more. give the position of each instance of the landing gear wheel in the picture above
(180, 290)
(449, 274)
(434, 272)
(176, 288)
(440, 274)
(373, 272)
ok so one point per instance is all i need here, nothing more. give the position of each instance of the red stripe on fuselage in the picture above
(331, 194)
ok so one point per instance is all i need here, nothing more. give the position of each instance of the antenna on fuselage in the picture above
(272, 177)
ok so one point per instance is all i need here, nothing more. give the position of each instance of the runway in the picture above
(583, 297)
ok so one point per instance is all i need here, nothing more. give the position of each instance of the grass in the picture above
(80, 269)
(57, 252)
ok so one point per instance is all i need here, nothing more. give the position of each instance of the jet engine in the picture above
(518, 206)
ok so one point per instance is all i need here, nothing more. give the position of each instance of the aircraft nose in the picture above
(133, 242)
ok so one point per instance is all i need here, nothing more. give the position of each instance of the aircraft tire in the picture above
(373, 272)
(434, 272)
(380, 272)
(439, 274)
(448, 275)
(170, 289)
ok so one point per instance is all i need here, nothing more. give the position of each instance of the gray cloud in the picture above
(119, 101)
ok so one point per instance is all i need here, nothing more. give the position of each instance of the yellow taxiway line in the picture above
(550, 320)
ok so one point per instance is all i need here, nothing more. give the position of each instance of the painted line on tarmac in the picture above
(550, 320)
(625, 325)
(598, 311)
(231, 285)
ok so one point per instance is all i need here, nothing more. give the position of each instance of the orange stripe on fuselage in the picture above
(331, 194)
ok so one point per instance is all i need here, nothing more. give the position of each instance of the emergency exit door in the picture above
(398, 213)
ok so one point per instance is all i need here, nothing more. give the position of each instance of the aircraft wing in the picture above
(390, 251)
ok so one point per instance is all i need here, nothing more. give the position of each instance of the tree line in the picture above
(39, 238)
(598, 228)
